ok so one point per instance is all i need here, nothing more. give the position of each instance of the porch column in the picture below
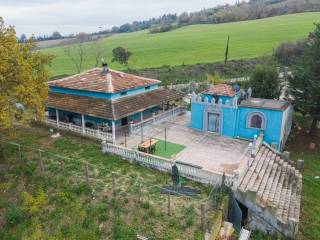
(163, 107)
(83, 125)
(141, 116)
(57, 117)
(113, 132)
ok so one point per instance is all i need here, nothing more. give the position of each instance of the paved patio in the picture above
(203, 149)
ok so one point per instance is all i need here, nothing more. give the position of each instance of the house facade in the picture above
(227, 111)
(106, 100)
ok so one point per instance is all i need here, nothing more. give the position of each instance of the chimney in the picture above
(105, 68)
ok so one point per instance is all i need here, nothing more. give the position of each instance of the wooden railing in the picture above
(192, 172)
(155, 119)
(87, 131)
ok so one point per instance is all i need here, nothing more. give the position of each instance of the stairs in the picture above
(275, 183)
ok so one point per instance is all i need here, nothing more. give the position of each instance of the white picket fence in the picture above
(156, 119)
(87, 131)
(195, 173)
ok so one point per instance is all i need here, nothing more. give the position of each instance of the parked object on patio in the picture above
(148, 146)
(177, 189)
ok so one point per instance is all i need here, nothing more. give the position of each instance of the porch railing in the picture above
(78, 129)
(192, 172)
(156, 119)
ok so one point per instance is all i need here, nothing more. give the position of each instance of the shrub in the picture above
(103, 218)
(122, 232)
(265, 83)
(13, 215)
(145, 205)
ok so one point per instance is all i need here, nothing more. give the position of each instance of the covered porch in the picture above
(109, 120)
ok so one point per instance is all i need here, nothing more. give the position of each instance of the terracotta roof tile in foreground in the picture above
(221, 90)
(96, 81)
(115, 109)
(276, 184)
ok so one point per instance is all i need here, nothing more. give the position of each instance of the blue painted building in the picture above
(107, 100)
(226, 111)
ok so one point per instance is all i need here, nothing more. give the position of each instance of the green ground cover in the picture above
(196, 43)
(168, 150)
(56, 204)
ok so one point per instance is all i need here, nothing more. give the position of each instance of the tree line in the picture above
(241, 11)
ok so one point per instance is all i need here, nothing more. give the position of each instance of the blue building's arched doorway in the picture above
(213, 122)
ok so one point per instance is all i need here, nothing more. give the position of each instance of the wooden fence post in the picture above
(169, 207)
(20, 153)
(114, 184)
(62, 166)
(203, 217)
(86, 171)
(41, 162)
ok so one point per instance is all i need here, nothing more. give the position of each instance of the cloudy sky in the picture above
(73, 16)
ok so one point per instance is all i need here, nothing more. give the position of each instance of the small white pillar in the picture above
(113, 132)
(163, 107)
(57, 117)
(141, 116)
(83, 125)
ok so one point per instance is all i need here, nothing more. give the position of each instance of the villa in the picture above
(227, 137)
(227, 111)
(101, 101)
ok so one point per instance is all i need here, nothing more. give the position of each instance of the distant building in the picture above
(106, 101)
(226, 110)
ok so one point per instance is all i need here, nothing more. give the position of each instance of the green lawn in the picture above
(167, 151)
(197, 43)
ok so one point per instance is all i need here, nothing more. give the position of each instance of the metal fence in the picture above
(156, 119)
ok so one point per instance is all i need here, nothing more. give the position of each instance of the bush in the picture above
(265, 83)
(162, 28)
(13, 215)
(145, 205)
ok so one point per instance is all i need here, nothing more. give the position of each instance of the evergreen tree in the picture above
(264, 82)
(304, 85)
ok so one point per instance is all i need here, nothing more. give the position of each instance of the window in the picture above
(256, 120)
(123, 93)
(147, 88)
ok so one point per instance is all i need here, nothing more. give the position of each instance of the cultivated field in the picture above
(197, 43)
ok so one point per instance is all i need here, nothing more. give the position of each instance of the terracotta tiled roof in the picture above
(133, 104)
(111, 109)
(275, 183)
(221, 90)
(95, 107)
(96, 81)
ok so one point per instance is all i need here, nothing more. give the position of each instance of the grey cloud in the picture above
(70, 16)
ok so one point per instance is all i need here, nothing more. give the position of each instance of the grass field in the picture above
(197, 43)
(58, 204)
(167, 151)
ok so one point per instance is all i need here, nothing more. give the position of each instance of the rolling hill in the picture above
(196, 43)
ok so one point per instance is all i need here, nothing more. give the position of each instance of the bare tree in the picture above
(98, 52)
(77, 52)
